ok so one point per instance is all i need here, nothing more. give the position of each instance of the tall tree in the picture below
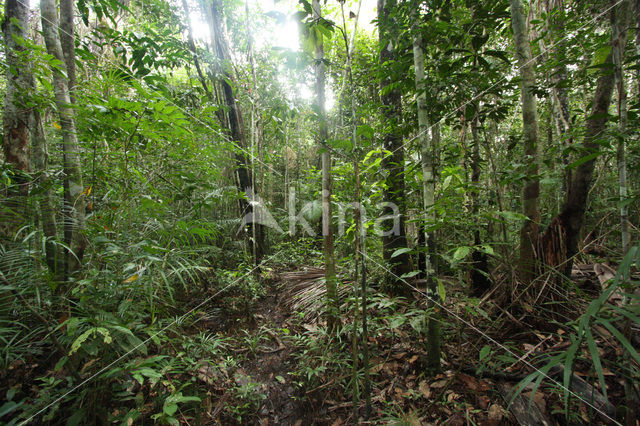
(393, 157)
(327, 231)
(559, 93)
(619, 37)
(531, 194)
(559, 242)
(428, 196)
(244, 178)
(74, 203)
(619, 41)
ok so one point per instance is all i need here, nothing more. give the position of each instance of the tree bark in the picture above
(333, 318)
(67, 41)
(74, 208)
(428, 198)
(15, 139)
(531, 193)
(393, 158)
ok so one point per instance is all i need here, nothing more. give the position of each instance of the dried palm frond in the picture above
(304, 291)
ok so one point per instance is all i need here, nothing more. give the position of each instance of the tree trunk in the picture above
(480, 282)
(74, 208)
(531, 194)
(637, 30)
(620, 41)
(560, 241)
(559, 95)
(15, 139)
(40, 162)
(238, 136)
(428, 199)
(393, 159)
(333, 318)
(67, 41)
(194, 51)
(619, 37)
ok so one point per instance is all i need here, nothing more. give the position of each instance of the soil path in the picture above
(271, 363)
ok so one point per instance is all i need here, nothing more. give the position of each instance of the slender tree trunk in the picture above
(236, 126)
(531, 195)
(15, 138)
(67, 41)
(560, 241)
(480, 268)
(74, 208)
(428, 197)
(619, 37)
(393, 160)
(333, 318)
(194, 51)
(350, 45)
(496, 181)
(620, 42)
(559, 95)
(40, 162)
(637, 32)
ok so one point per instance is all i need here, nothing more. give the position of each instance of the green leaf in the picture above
(583, 160)
(397, 321)
(568, 368)
(441, 290)
(620, 338)
(8, 407)
(484, 352)
(410, 274)
(461, 253)
(364, 131)
(400, 251)
(600, 55)
(486, 249)
(595, 357)
(169, 408)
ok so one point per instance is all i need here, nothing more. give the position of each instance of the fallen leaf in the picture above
(469, 381)
(131, 279)
(439, 384)
(424, 389)
(310, 327)
(496, 412)
(483, 402)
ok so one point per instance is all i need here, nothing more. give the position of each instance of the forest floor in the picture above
(400, 391)
(473, 388)
(272, 362)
